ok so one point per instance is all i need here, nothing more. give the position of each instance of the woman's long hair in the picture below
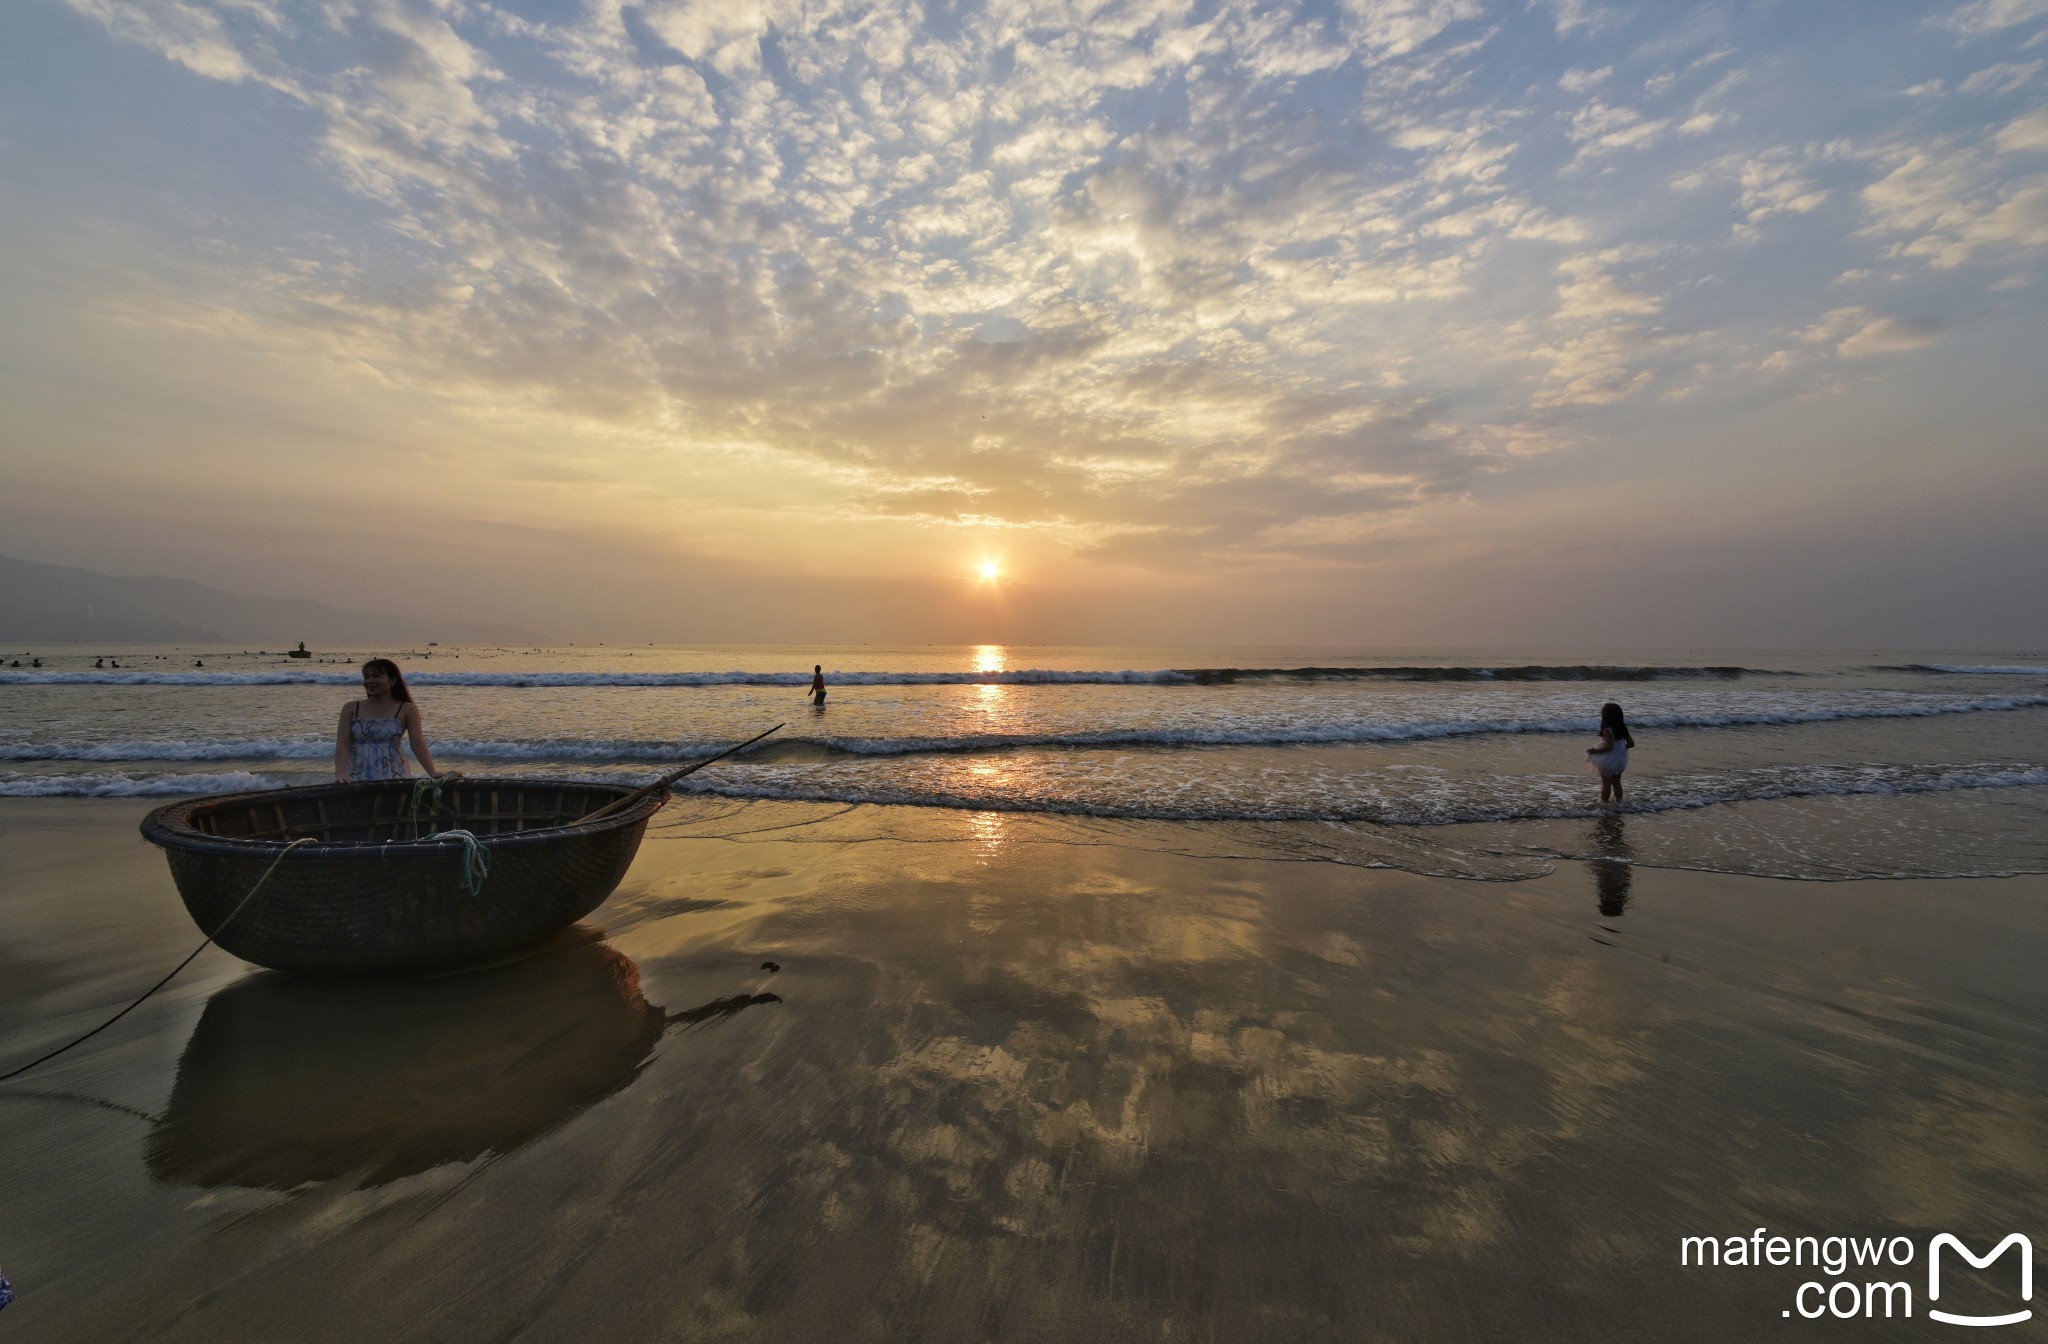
(1611, 723)
(404, 696)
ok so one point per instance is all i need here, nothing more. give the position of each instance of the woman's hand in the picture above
(343, 779)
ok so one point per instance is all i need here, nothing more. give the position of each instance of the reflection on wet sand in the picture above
(1071, 1090)
(288, 1080)
(1106, 1097)
(1613, 869)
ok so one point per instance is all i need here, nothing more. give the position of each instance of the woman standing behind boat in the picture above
(366, 742)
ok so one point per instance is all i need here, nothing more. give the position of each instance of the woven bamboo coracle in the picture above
(378, 891)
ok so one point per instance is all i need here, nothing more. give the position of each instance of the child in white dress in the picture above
(1609, 756)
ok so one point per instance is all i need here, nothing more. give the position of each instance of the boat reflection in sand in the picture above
(289, 1080)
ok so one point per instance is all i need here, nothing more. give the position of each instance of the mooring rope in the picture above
(476, 860)
(426, 804)
(303, 840)
(426, 798)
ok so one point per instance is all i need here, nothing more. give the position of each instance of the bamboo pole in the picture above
(666, 781)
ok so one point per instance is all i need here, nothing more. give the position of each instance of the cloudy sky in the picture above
(1553, 323)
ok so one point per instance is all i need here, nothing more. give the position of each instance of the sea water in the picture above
(1805, 765)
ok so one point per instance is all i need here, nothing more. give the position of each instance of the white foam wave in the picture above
(2015, 670)
(1539, 804)
(420, 677)
(134, 784)
(1414, 730)
(249, 749)
(655, 751)
(123, 677)
(1376, 800)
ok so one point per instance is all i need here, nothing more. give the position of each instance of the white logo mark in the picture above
(2026, 1277)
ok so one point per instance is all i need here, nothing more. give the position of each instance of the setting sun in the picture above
(990, 571)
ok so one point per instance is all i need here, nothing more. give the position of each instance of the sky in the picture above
(1378, 323)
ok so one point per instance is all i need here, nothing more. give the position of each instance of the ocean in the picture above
(1813, 765)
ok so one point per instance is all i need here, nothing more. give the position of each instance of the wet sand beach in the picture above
(1016, 1078)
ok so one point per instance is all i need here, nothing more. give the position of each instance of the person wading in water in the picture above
(1609, 756)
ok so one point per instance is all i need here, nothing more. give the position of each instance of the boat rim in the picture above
(170, 826)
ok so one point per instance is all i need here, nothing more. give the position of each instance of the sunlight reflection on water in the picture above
(987, 829)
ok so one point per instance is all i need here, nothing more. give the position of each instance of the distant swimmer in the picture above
(199, 662)
(818, 685)
(99, 662)
(1609, 756)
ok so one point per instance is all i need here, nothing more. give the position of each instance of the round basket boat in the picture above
(380, 890)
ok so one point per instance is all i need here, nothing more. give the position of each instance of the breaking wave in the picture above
(656, 751)
(284, 676)
(1529, 672)
(136, 784)
(1210, 676)
(1538, 801)
(1380, 800)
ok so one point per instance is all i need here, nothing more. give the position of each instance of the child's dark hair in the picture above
(1613, 724)
(404, 696)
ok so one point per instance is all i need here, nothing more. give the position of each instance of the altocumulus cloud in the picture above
(1229, 277)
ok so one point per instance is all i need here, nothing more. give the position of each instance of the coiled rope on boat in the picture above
(476, 860)
(426, 800)
(303, 840)
(426, 804)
